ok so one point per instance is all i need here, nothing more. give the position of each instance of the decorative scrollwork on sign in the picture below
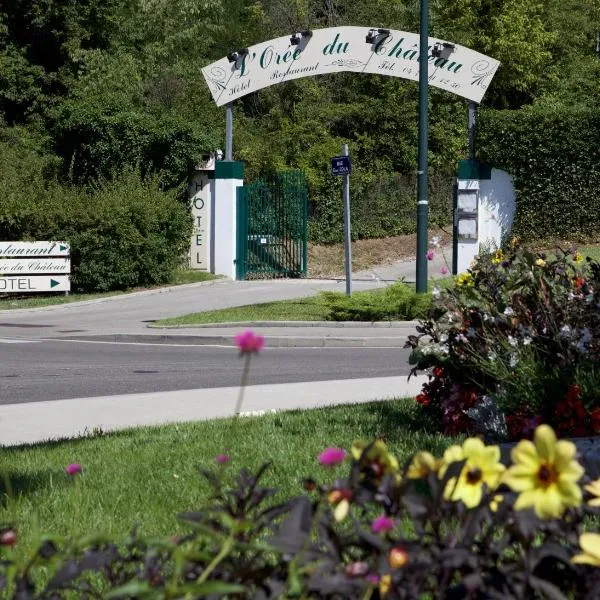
(218, 78)
(482, 73)
(346, 62)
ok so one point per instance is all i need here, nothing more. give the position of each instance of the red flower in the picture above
(596, 420)
(423, 399)
(579, 282)
(438, 372)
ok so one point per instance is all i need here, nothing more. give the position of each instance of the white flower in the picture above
(435, 241)
(435, 292)
(444, 338)
(461, 338)
(508, 311)
(565, 331)
(526, 341)
(492, 356)
(513, 361)
(513, 341)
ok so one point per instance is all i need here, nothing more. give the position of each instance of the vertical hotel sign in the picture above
(34, 267)
(452, 67)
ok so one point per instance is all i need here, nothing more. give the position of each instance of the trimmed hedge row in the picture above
(123, 233)
(553, 152)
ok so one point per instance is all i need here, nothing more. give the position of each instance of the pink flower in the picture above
(430, 254)
(222, 459)
(444, 270)
(8, 537)
(332, 456)
(248, 341)
(382, 524)
(73, 469)
(372, 578)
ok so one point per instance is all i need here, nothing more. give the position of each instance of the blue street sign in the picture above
(340, 165)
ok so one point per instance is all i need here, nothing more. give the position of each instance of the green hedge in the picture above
(553, 152)
(123, 233)
(382, 205)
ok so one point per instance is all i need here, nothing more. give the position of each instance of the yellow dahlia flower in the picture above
(422, 464)
(594, 489)
(540, 262)
(545, 473)
(590, 544)
(465, 280)
(482, 466)
(498, 257)
(378, 458)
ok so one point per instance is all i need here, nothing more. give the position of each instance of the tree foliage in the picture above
(112, 84)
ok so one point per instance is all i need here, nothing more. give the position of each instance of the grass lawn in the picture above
(592, 251)
(8, 302)
(303, 309)
(148, 475)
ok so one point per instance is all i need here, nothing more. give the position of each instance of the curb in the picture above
(274, 341)
(329, 324)
(151, 292)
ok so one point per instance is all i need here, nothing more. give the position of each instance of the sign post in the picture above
(340, 165)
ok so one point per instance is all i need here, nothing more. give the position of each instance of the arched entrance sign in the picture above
(453, 68)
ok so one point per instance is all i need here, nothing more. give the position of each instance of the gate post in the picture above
(229, 175)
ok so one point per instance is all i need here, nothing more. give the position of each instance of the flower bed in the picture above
(514, 344)
(459, 526)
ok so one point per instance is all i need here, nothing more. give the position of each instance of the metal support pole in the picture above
(229, 131)
(347, 230)
(422, 192)
(471, 127)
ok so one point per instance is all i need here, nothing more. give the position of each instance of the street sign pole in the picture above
(422, 192)
(229, 131)
(347, 230)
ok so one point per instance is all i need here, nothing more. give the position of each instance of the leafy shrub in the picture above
(553, 152)
(460, 526)
(125, 233)
(382, 205)
(122, 233)
(519, 332)
(396, 302)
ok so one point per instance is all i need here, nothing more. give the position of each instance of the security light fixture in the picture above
(374, 34)
(237, 54)
(299, 35)
(442, 48)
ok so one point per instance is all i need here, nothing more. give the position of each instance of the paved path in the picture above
(28, 423)
(128, 317)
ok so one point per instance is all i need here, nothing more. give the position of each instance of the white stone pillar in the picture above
(229, 176)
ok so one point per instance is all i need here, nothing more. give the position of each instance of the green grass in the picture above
(592, 251)
(148, 475)
(8, 302)
(301, 309)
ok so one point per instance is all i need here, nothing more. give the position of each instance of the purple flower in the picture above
(222, 459)
(248, 341)
(332, 456)
(372, 578)
(73, 469)
(382, 524)
(430, 254)
(444, 270)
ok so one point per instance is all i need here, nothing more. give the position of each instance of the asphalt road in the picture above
(59, 369)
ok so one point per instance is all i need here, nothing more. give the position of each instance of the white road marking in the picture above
(17, 341)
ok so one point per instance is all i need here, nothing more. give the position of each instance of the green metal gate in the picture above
(272, 216)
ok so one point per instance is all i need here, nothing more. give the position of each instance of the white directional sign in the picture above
(33, 249)
(11, 266)
(34, 267)
(35, 283)
(452, 67)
